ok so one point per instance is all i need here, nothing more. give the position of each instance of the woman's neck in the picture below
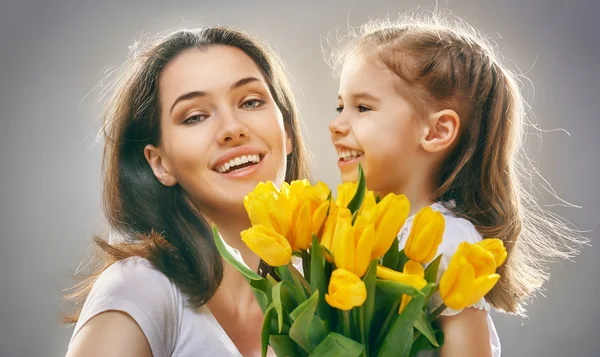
(234, 291)
(230, 228)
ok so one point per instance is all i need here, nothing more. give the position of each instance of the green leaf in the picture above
(279, 297)
(392, 256)
(318, 279)
(399, 339)
(266, 330)
(262, 292)
(295, 279)
(357, 200)
(422, 343)
(261, 297)
(367, 309)
(283, 345)
(432, 270)
(402, 259)
(240, 266)
(377, 198)
(396, 289)
(335, 345)
(307, 330)
(424, 326)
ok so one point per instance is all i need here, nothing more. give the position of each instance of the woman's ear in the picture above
(159, 165)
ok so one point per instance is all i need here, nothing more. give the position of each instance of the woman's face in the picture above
(221, 130)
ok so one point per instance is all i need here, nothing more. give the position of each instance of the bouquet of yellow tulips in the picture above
(358, 294)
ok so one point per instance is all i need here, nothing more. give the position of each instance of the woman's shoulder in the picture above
(134, 286)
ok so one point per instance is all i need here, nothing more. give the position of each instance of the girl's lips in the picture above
(345, 162)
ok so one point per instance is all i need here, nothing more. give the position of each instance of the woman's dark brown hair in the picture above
(158, 222)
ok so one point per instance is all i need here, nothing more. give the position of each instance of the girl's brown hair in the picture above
(158, 222)
(445, 63)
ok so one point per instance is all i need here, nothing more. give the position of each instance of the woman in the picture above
(194, 123)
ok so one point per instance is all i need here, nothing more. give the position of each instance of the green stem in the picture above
(362, 332)
(386, 323)
(346, 325)
(437, 312)
(306, 264)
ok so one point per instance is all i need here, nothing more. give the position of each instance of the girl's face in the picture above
(221, 131)
(376, 126)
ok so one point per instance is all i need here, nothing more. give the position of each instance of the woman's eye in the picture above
(252, 103)
(362, 108)
(194, 119)
(339, 109)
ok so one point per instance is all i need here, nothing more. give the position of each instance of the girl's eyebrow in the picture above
(364, 96)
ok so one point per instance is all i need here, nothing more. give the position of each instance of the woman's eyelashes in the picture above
(196, 118)
(252, 103)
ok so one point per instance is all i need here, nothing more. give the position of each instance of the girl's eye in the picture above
(362, 108)
(252, 103)
(194, 119)
(339, 109)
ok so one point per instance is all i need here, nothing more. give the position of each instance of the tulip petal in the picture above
(414, 268)
(496, 247)
(481, 286)
(302, 231)
(270, 246)
(345, 290)
(318, 218)
(390, 221)
(343, 252)
(456, 283)
(363, 251)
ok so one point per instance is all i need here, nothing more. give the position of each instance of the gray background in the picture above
(53, 53)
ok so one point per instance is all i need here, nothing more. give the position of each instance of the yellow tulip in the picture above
(496, 247)
(269, 207)
(346, 290)
(391, 213)
(329, 230)
(469, 277)
(413, 275)
(310, 204)
(425, 236)
(345, 193)
(269, 245)
(352, 246)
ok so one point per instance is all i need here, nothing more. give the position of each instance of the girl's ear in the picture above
(442, 131)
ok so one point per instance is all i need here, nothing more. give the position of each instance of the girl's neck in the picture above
(420, 194)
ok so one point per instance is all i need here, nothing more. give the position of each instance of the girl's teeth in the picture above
(350, 154)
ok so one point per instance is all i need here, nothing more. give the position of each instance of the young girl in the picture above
(429, 111)
(193, 123)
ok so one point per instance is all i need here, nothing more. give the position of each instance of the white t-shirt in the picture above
(172, 328)
(457, 230)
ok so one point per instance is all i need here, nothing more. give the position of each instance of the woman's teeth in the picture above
(238, 163)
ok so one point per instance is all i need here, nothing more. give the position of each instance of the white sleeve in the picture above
(134, 286)
(457, 230)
